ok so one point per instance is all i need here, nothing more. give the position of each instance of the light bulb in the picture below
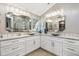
(48, 15)
(58, 12)
(55, 13)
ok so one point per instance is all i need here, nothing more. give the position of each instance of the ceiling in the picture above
(36, 8)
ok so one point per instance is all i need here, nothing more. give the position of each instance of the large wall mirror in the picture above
(55, 21)
(17, 23)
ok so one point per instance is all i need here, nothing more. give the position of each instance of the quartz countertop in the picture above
(65, 36)
(9, 37)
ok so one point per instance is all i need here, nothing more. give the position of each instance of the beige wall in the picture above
(2, 18)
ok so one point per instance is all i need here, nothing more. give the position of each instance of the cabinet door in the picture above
(51, 45)
(22, 46)
(46, 43)
(36, 42)
(29, 44)
(58, 48)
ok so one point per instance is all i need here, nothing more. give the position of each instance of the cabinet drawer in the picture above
(21, 45)
(4, 43)
(12, 54)
(22, 40)
(8, 49)
(21, 52)
(68, 53)
(15, 52)
(73, 42)
(8, 42)
(74, 49)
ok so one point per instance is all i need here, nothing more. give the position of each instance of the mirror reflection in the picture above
(17, 23)
(54, 22)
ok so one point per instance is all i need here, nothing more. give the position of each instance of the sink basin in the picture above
(55, 34)
(31, 34)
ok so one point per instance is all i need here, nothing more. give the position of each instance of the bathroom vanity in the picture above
(25, 44)
(19, 45)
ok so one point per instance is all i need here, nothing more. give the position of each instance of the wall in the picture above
(3, 10)
(2, 18)
(71, 12)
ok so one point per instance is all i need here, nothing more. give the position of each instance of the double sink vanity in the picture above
(23, 44)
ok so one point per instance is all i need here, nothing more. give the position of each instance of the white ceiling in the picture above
(36, 8)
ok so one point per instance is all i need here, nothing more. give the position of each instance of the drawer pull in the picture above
(70, 42)
(71, 49)
(34, 42)
(52, 43)
(14, 48)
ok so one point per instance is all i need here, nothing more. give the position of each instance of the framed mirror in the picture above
(56, 22)
(17, 23)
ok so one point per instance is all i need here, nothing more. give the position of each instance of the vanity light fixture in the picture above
(48, 20)
(48, 15)
(52, 14)
(12, 9)
(30, 20)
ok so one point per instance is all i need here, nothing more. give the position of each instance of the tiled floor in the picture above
(40, 52)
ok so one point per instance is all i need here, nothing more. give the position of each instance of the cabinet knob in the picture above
(52, 43)
(34, 42)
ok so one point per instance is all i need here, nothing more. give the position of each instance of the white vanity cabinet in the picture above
(9, 46)
(45, 43)
(13, 47)
(29, 44)
(52, 44)
(19, 46)
(32, 43)
(36, 42)
(58, 46)
(70, 47)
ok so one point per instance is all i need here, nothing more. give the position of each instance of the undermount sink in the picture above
(55, 34)
(31, 34)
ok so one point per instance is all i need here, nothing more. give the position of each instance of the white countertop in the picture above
(8, 37)
(66, 36)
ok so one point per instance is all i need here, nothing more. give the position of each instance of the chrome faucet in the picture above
(1, 36)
